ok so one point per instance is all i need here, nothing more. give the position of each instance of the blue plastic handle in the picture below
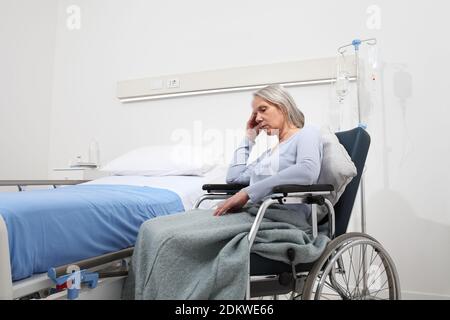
(90, 278)
(356, 43)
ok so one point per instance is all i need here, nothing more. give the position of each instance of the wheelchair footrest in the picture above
(276, 285)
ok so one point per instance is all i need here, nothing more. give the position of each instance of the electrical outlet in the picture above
(173, 83)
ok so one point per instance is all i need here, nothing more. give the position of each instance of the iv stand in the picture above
(356, 44)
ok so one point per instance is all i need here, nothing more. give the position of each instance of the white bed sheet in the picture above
(189, 188)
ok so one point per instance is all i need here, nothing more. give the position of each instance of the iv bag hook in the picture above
(356, 43)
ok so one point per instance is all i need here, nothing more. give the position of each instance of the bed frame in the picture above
(112, 267)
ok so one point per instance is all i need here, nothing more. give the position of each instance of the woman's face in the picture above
(269, 116)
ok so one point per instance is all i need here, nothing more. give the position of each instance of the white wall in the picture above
(27, 46)
(120, 40)
(408, 161)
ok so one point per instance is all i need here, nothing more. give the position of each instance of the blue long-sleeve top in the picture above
(294, 161)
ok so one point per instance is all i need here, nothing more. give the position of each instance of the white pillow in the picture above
(337, 167)
(176, 160)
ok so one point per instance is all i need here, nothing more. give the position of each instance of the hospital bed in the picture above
(112, 265)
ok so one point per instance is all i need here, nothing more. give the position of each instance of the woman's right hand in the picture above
(252, 127)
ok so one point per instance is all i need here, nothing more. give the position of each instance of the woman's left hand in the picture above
(234, 203)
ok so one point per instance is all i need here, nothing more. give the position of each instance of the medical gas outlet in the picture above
(173, 83)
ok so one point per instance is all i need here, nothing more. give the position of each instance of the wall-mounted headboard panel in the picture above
(296, 73)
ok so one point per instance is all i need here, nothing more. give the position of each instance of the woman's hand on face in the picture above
(234, 203)
(253, 127)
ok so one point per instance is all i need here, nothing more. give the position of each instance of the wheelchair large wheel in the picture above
(354, 266)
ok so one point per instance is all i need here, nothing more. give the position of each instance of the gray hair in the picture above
(278, 96)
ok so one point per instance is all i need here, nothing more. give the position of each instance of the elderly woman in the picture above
(203, 254)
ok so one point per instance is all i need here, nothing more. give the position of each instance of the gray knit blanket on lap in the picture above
(198, 256)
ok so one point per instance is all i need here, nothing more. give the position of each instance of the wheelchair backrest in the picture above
(356, 142)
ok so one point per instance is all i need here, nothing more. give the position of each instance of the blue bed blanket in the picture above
(48, 228)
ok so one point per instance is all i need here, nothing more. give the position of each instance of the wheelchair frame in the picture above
(356, 142)
(314, 195)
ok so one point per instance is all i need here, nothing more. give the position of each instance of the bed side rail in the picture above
(38, 282)
(20, 184)
(96, 261)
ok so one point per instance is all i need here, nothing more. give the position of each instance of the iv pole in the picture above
(356, 44)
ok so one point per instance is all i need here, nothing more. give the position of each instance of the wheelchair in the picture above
(353, 266)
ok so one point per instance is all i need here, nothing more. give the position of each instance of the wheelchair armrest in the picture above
(218, 192)
(292, 188)
(223, 188)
